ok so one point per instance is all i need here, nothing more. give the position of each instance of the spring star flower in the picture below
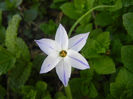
(63, 53)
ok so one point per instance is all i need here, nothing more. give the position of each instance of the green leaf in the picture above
(11, 33)
(19, 75)
(121, 85)
(60, 95)
(58, 1)
(117, 5)
(41, 89)
(0, 17)
(49, 28)
(92, 91)
(90, 50)
(2, 92)
(75, 84)
(13, 3)
(7, 61)
(89, 4)
(128, 23)
(103, 40)
(103, 65)
(127, 3)
(70, 11)
(115, 49)
(2, 34)
(127, 56)
(22, 49)
(28, 92)
(79, 4)
(103, 19)
(98, 44)
(84, 28)
(30, 15)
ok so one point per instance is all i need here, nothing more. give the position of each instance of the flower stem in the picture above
(68, 92)
(84, 15)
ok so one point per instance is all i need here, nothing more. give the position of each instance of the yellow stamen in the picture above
(63, 53)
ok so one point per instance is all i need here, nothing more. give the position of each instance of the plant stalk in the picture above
(84, 15)
(68, 92)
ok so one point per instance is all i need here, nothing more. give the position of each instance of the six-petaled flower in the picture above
(63, 54)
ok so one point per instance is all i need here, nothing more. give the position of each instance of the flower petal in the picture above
(77, 60)
(77, 42)
(47, 45)
(49, 63)
(61, 37)
(63, 70)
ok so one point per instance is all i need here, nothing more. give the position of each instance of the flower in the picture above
(63, 53)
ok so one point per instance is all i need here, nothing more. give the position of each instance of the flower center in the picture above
(63, 53)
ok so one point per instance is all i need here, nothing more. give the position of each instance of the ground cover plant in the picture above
(108, 50)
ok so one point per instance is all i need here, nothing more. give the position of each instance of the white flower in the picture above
(63, 53)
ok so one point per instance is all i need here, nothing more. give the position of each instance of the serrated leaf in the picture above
(19, 75)
(11, 33)
(41, 89)
(70, 11)
(103, 19)
(7, 61)
(117, 5)
(120, 86)
(84, 28)
(103, 65)
(28, 92)
(79, 4)
(48, 28)
(127, 57)
(127, 3)
(128, 23)
(89, 4)
(22, 49)
(92, 91)
(98, 44)
(103, 40)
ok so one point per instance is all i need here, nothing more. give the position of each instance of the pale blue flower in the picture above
(63, 53)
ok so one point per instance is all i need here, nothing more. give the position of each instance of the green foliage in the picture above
(48, 28)
(22, 51)
(96, 44)
(103, 65)
(7, 61)
(103, 19)
(109, 48)
(2, 92)
(128, 23)
(126, 55)
(13, 3)
(69, 10)
(11, 34)
(0, 17)
(2, 29)
(30, 15)
(127, 3)
(37, 92)
(19, 75)
(123, 85)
